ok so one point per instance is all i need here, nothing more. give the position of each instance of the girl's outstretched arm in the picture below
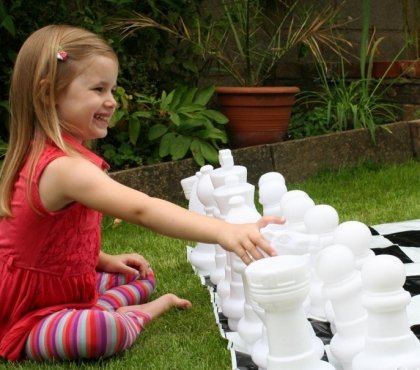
(74, 179)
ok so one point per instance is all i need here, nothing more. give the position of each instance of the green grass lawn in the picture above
(190, 339)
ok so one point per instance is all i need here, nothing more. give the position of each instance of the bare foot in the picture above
(159, 306)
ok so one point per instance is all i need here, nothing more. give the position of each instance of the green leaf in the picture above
(216, 116)
(189, 66)
(196, 152)
(166, 100)
(192, 124)
(143, 114)
(5, 104)
(133, 130)
(188, 95)
(8, 24)
(204, 95)
(165, 144)
(192, 108)
(116, 117)
(209, 152)
(177, 98)
(212, 133)
(157, 131)
(180, 147)
(175, 119)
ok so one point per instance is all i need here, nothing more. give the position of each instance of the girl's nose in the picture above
(111, 102)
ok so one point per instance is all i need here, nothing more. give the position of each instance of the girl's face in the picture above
(87, 104)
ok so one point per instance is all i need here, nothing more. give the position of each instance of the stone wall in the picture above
(297, 160)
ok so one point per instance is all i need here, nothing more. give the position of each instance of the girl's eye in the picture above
(99, 89)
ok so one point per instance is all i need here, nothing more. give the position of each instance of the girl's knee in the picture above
(100, 334)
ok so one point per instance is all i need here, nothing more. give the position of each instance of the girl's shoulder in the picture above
(85, 152)
(52, 151)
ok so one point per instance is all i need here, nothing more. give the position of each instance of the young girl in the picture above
(61, 297)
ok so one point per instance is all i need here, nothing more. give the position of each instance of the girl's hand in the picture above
(246, 241)
(132, 263)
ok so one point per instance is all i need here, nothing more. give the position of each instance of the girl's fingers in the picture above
(253, 251)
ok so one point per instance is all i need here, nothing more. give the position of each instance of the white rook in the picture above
(279, 285)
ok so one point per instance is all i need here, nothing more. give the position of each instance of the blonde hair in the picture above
(37, 77)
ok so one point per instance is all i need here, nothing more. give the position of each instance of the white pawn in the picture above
(357, 236)
(294, 210)
(250, 326)
(202, 257)
(291, 194)
(279, 285)
(271, 188)
(390, 343)
(233, 305)
(320, 221)
(335, 266)
(270, 176)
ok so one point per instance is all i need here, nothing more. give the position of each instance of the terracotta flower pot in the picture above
(257, 115)
(399, 68)
(385, 69)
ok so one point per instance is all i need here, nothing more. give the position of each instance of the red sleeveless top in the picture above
(47, 259)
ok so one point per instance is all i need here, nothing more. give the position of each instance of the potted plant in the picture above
(340, 103)
(407, 63)
(247, 40)
(411, 66)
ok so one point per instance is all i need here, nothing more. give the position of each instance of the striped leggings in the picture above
(97, 332)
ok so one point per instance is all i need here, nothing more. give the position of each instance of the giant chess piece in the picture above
(189, 186)
(357, 236)
(250, 325)
(220, 179)
(286, 241)
(233, 187)
(335, 265)
(390, 343)
(233, 305)
(259, 351)
(279, 285)
(320, 221)
(288, 238)
(294, 209)
(293, 206)
(227, 168)
(271, 188)
(202, 257)
(292, 194)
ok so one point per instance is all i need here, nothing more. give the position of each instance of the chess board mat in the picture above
(400, 239)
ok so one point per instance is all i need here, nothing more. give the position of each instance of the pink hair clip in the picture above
(62, 55)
